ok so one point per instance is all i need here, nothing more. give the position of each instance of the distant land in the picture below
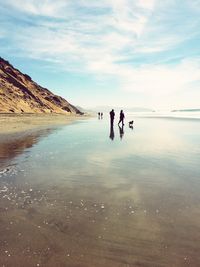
(85, 110)
(125, 109)
(20, 94)
(187, 110)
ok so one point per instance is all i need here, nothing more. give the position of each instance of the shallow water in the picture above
(82, 196)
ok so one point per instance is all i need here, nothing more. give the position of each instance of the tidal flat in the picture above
(84, 195)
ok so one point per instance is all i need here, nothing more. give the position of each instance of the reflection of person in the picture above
(121, 117)
(121, 131)
(112, 116)
(101, 115)
(112, 134)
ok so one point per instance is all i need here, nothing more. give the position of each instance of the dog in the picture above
(130, 123)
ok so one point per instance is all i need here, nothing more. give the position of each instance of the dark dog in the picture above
(130, 123)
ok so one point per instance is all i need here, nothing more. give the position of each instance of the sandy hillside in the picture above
(20, 94)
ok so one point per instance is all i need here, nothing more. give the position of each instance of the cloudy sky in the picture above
(135, 53)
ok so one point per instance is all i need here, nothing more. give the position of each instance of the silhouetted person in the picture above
(121, 131)
(112, 134)
(121, 117)
(101, 115)
(112, 117)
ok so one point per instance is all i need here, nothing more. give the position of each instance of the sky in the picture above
(127, 53)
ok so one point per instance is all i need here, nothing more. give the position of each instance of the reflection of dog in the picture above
(130, 123)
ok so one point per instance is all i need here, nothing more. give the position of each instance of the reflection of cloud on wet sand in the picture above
(159, 139)
(94, 204)
(15, 144)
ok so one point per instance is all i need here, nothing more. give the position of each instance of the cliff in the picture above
(20, 94)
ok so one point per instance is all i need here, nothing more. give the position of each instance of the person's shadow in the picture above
(121, 131)
(112, 134)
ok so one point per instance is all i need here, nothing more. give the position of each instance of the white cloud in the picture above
(163, 43)
(81, 38)
(49, 8)
(152, 79)
(162, 79)
(149, 4)
(97, 37)
(162, 86)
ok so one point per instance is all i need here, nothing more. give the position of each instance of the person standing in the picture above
(121, 117)
(112, 117)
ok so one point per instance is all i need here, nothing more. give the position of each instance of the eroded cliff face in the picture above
(19, 93)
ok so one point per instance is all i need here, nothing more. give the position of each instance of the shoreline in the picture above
(19, 123)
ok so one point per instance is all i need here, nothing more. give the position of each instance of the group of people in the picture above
(100, 115)
(120, 124)
(121, 117)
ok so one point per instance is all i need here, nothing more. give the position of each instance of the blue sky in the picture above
(131, 53)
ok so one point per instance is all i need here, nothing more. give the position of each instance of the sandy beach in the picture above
(15, 123)
(72, 196)
(22, 131)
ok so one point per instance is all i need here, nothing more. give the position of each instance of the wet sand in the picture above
(72, 197)
(15, 123)
(19, 131)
